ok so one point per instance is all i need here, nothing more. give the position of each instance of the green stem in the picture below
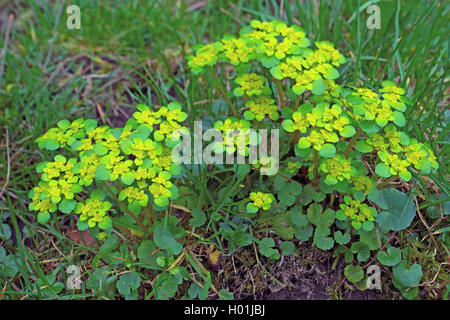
(386, 182)
(433, 203)
(264, 269)
(333, 197)
(352, 142)
(279, 86)
(221, 88)
(296, 102)
(120, 204)
(316, 167)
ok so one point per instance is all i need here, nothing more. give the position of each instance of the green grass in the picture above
(132, 51)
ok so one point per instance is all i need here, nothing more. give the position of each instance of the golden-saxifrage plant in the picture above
(350, 140)
(340, 145)
(133, 164)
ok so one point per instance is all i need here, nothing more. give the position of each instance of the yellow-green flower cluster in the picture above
(261, 107)
(279, 47)
(161, 188)
(65, 134)
(236, 50)
(293, 167)
(337, 169)
(322, 122)
(135, 159)
(93, 211)
(134, 194)
(260, 200)
(236, 136)
(251, 84)
(275, 38)
(395, 164)
(384, 109)
(58, 183)
(165, 121)
(390, 139)
(266, 164)
(363, 184)
(206, 55)
(360, 214)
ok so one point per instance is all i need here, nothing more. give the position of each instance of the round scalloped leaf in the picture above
(287, 248)
(369, 127)
(354, 273)
(269, 62)
(408, 277)
(391, 257)
(405, 175)
(158, 136)
(332, 74)
(276, 73)
(367, 225)
(303, 143)
(102, 174)
(383, 170)
(319, 218)
(106, 223)
(251, 208)
(43, 217)
(400, 106)
(100, 149)
(82, 225)
(5, 232)
(274, 116)
(49, 144)
(328, 150)
(298, 90)
(162, 201)
(363, 147)
(356, 224)
(347, 132)
(424, 166)
(404, 139)
(321, 239)
(288, 125)
(126, 146)
(97, 194)
(341, 238)
(127, 178)
(318, 87)
(265, 246)
(135, 207)
(248, 115)
(67, 205)
(398, 208)
(238, 92)
(127, 283)
(399, 119)
(330, 180)
(63, 124)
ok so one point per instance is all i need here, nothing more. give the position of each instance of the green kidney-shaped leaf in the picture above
(382, 170)
(408, 277)
(128, 282)
(327, 150)
(67, 206)
(165, 239)
(390, 257)
(318, 87)
(398, 209)
(354, 273)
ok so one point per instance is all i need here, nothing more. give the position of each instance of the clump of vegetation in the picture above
(348, 140)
